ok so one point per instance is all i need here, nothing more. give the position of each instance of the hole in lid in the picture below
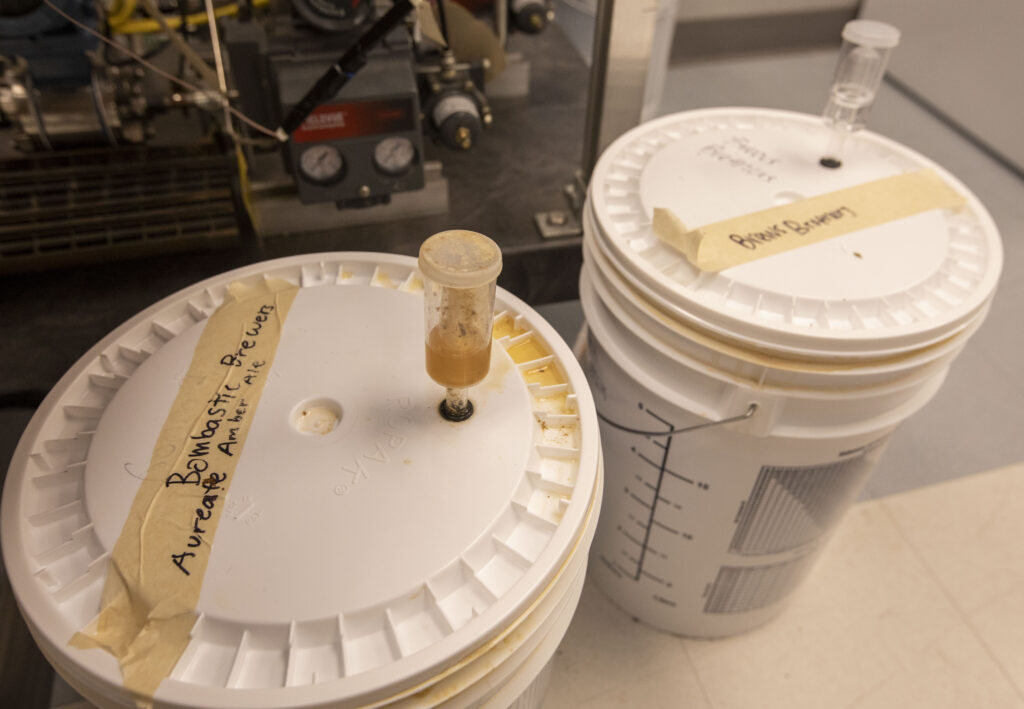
(316, 417)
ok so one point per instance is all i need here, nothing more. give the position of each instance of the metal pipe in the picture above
(218, 62)
(621, 75)
(595, 91)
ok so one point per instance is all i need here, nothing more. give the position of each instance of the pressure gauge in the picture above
(394, 156)
(322, 164)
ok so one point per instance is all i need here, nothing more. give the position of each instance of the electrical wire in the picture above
(157, 70)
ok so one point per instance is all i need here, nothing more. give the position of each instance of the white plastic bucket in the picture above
(813, 357)
(395, 560)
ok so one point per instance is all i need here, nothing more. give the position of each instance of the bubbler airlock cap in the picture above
(871, 33)
(460, 259)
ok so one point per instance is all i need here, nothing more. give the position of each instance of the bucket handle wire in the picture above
(751, 410)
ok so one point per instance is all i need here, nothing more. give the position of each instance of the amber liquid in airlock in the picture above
(461, 365)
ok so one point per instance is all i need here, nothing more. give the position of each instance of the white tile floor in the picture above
(918, 602)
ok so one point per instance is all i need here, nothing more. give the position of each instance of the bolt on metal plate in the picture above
(557, 223)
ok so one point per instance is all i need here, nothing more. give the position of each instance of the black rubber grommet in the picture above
(455, 416)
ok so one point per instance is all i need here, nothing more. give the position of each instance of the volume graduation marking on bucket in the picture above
(661, 440)
(660, 505)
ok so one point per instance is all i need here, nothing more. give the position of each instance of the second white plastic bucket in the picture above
(742, 410)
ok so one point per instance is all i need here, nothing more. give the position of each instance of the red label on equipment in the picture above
(350, 120)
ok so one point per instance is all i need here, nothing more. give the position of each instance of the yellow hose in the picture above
(122, 11)
(173, 21)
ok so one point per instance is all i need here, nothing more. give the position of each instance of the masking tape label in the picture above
(157, 566)
(772, 231)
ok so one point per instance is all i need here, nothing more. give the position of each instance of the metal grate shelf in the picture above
(73, 207)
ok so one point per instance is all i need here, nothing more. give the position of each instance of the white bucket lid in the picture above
(873, 293)
(349, 567)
